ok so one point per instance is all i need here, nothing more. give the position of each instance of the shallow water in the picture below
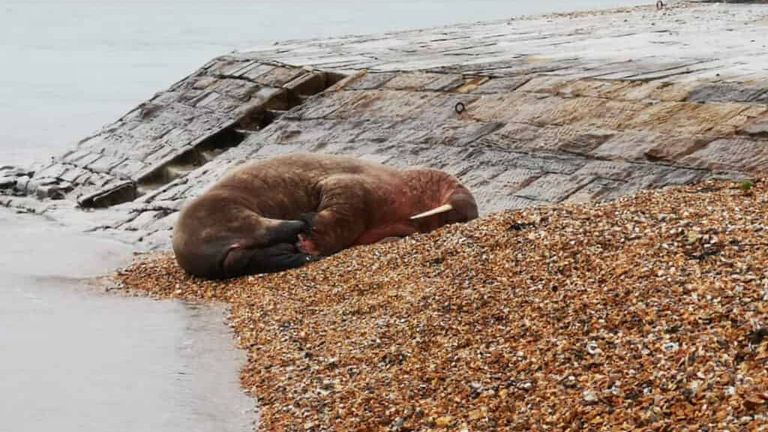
(73, 358)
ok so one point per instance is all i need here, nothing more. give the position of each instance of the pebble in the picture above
(568, 322)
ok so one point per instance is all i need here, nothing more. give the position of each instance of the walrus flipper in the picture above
(309, 222)
(279, 257)
(340, 217)
(286, 231)
(270, 259)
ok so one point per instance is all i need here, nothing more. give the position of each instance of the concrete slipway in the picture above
(530, 111)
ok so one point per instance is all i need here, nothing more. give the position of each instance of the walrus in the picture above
(277, 214)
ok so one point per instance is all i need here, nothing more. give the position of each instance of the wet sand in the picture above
(75, 358)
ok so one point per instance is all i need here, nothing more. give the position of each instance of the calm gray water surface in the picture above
(72, 359)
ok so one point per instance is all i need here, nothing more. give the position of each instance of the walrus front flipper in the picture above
(279, 257)
(270, 259)
(285, 231)
(309, 221)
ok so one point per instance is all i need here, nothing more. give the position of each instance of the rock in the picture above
(590, 396)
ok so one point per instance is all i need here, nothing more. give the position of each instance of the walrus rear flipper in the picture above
(270, 259)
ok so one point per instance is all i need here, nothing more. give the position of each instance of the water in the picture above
(71, 357)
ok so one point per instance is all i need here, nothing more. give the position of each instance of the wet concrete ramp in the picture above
(564, 108)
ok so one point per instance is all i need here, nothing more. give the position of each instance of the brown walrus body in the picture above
(280, 213)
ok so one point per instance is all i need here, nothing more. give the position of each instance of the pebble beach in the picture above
(645, 313)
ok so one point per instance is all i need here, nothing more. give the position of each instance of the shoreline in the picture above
(69, 342)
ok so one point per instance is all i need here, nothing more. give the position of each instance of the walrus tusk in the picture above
(437, 210)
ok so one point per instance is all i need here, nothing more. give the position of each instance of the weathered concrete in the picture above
(562, 108)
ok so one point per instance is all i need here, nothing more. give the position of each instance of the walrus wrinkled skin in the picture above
(273, 215)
